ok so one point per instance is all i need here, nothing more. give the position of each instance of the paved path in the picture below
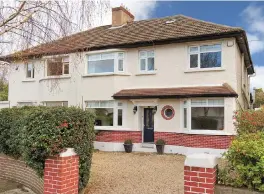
(136, 173)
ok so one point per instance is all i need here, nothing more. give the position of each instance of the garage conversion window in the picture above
(204, 114)
(108, 113)
(58, 66)
(106, 63)
(205, 56)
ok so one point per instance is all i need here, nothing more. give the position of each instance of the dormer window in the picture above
(58, 66)
(106, 63)
(205, 56)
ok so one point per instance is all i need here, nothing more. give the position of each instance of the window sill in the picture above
(28, 80)
(106, 74)
(111, 128)
(203, 70)
(207, 132)
(146, 73)
(56, 77)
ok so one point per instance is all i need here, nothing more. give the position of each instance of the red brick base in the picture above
(177, 139)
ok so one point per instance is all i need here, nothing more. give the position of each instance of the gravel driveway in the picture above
(136, 173)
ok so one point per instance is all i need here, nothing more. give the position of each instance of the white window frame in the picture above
(32, 72)
(146, 61)
(198, 52)
(67, 62)
(189, 106)
(62, 103)
(116, 105)
(116, 61)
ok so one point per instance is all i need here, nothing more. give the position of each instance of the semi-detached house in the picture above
(176, 78)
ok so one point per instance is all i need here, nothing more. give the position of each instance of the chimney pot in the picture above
(121, 16)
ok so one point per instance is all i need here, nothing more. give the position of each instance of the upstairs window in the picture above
(205, 56)
(58, 66)
(146, 61)
(30, 71)
(106, 63)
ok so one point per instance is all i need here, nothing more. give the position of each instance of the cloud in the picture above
(253, 15)
(258, 80)
(140, 9)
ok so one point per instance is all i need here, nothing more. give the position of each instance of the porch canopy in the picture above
(181, 92)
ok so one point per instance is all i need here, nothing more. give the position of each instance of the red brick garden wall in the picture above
(17, 171)
(119, 136)
(177, 139)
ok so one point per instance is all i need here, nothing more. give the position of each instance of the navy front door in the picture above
(148, 125)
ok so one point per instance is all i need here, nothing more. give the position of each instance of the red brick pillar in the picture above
(200, 174)
(61, 173)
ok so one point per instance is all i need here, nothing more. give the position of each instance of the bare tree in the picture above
(26, 23)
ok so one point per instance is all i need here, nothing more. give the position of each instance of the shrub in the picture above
(160, 142)
(249, 121)
(245, 162)
(40, 132)
(128, 141)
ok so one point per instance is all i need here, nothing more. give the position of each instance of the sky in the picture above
(248, 15)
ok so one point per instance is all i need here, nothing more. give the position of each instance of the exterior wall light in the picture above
(135, 109)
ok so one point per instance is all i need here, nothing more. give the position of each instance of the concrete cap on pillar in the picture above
(201, 160)
(68, 152)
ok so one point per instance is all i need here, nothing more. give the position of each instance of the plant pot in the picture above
(128, 148)
(160, 149)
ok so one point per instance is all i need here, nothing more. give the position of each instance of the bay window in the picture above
(203, 114)
(58, 66)
(106, 63)
(146, 61)
(205, 56)
(108, 113)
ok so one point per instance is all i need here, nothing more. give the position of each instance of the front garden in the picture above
(244, 161)
(33, 134)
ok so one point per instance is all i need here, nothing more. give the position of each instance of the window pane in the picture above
(104, 116)
(101, 66)
(29, 70)
(65, 59)
(107, 56)
(142, 54)
(66, 68)
(54, 67)
(142, 64)
(209, 60)
(106, 104)
(120, 65)
(120, 55)
(94, 57)
(193, 49)
(93, 104)
(120, 117)
(185, 117)
(150, 54)
(216, 102)
(150, 64)
(193, 61)
(199, 102)
(55, 103)
(207, 118)
(208, 48)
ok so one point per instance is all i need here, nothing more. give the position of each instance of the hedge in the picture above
(36, 133)
(244, 160)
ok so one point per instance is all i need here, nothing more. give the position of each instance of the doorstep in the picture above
(147, 145)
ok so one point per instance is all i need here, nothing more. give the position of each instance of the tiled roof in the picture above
(177, 28)
(182, 92)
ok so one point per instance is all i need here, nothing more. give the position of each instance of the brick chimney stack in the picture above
(121, 16)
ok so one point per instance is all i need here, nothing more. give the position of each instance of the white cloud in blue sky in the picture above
(254, 17)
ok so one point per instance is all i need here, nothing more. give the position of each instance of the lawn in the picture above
(136, 173)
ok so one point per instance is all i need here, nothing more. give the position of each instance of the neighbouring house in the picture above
(176, 78)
